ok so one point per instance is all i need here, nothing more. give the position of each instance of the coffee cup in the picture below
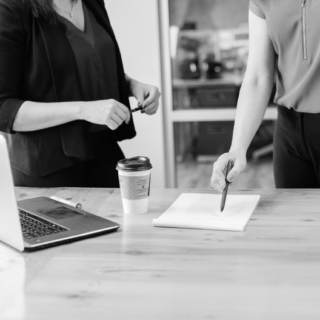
(134, 177)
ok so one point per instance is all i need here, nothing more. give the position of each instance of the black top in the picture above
(38, 64)
(95, 55)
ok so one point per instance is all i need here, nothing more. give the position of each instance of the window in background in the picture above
(208, 55)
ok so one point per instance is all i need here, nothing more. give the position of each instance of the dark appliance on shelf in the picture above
(214, 97)
(214, 138)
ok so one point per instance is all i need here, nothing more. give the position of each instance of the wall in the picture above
(136, 26)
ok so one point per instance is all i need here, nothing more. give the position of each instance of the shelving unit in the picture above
(225, 114)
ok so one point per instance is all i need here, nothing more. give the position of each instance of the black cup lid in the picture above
(134, 164)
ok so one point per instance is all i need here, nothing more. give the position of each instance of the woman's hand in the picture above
(105, 112)
(239, 162)
(146, 94)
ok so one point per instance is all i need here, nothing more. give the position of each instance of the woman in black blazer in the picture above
(64, 94)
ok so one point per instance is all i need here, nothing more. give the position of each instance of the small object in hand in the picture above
(225, 191)
(139, 107)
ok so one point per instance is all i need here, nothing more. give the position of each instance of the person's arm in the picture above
(252, 103)
(33, 116)
(146, 94)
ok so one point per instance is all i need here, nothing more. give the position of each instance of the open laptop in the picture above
(41, 222)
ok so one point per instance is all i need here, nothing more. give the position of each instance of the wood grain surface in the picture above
(269, 271)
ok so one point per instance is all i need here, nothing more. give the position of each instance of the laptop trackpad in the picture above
(60, 213)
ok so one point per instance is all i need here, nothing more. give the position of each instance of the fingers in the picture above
(151, 103)
(117, 119)
(112, 124)
(151, 109)
(123, 112)
(235, 171)
(218, 180)
(116, 114)
(123, 115)
(109, 112)
(146, 95)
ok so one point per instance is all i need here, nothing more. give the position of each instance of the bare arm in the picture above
(252, 103)
(35, 116)
(257, 85)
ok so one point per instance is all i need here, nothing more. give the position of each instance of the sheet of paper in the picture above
(202, 211)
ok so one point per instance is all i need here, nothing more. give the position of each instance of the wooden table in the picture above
(270, 271)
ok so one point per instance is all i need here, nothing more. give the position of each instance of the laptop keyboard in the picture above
(33, 227)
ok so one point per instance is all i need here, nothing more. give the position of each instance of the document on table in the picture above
(202, 211)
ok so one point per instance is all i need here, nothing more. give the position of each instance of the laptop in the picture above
(41, 222)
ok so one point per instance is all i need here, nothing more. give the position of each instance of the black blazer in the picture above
(35, 56)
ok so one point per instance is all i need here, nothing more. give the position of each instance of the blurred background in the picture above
(196, 51)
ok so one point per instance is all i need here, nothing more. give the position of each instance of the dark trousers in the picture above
(297, 149)
(99, 172)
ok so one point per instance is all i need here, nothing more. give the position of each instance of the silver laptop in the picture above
(41, 222)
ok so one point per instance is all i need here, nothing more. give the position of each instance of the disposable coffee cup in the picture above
(135, 178)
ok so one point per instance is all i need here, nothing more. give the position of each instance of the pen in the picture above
(139, 107)
(70, 203)
(225, 191)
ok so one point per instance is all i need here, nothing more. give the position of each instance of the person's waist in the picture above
(291, 112)
(102, 137)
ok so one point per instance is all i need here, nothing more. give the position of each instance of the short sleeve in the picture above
(254, 8)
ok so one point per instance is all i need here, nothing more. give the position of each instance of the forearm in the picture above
(36, 116)
(252, 103)
(257, 85)
(131, 83)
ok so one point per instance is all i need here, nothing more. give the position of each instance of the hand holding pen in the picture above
(147, 96)
(138, 108)
(218, 178)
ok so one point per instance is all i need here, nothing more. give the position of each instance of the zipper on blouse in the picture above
(304, 35)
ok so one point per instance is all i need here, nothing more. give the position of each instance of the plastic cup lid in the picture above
(134, 164)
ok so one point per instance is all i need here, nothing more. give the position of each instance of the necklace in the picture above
(67, 12)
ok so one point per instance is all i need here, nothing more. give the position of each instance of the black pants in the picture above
(99, 172)
(297, 149)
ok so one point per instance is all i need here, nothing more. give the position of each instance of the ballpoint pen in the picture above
(225, 190)
(70, 203)
(139, 107)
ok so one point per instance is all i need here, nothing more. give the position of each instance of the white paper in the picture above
(202, 211)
